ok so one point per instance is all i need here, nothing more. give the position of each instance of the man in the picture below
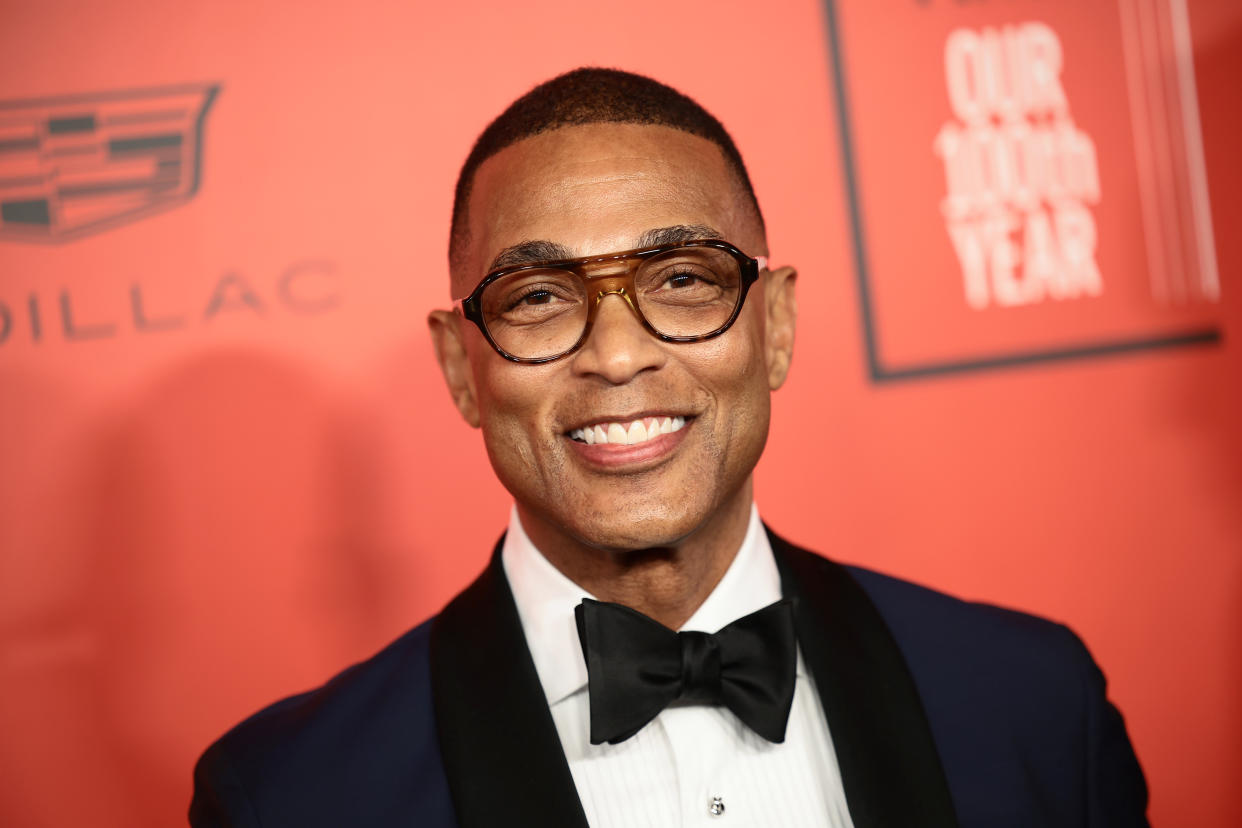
(618, 334)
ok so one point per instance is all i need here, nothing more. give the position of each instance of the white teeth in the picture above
(628, 434)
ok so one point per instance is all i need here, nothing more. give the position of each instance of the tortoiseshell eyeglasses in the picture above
(681, 293)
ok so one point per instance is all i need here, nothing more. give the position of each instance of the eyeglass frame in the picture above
(615, 284)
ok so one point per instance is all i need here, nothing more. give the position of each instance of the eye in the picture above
(685, 279)
(529, 296)
(536, 297)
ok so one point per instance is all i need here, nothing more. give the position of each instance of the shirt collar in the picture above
(546, 599)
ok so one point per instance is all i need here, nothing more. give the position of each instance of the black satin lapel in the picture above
(502, 756)
(889, 762)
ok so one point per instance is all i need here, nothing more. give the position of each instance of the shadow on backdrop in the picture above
(221, 555)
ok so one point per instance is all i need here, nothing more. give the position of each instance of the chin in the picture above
(633, 532)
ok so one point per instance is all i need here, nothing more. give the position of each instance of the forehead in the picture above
(599, 188)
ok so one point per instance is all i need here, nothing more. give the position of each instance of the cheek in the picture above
(733, 367)
(512, 405)
(505, 422)
(501, 403)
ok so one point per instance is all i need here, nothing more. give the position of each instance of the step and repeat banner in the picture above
(230, 466)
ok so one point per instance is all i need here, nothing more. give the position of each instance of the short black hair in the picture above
(591, 95)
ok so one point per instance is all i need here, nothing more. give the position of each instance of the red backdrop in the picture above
(230, 467)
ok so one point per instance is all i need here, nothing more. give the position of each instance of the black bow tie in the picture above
(636, 666)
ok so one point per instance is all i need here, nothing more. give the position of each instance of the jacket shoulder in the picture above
(999, 683)
(923, 618)
(973, 661)
(1017, 706)
(919, 613)
(359, 750)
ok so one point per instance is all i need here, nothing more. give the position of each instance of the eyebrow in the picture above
(538, 251)
(678, 234)
(530, 252)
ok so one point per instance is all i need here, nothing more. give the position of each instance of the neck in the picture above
(666, 582)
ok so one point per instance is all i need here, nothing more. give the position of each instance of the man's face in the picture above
(598, 189)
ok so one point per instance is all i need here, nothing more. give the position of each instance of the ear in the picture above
(450, 344)
(782, 310)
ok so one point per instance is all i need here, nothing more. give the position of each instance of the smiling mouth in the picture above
(627, 433)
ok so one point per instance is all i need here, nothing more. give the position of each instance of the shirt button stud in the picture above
(716, 808)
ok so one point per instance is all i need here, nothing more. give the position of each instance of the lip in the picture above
(629, 457)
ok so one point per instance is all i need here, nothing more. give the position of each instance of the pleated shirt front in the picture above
(693, 765)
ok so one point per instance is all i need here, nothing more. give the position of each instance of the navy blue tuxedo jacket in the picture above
(942, 712)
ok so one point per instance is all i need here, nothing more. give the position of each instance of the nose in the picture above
(618, 347)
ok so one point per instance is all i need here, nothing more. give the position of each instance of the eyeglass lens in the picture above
(686, 292)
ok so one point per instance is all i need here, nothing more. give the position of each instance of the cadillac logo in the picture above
(75, 165)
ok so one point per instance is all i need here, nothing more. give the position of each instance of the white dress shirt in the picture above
(671, 771)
